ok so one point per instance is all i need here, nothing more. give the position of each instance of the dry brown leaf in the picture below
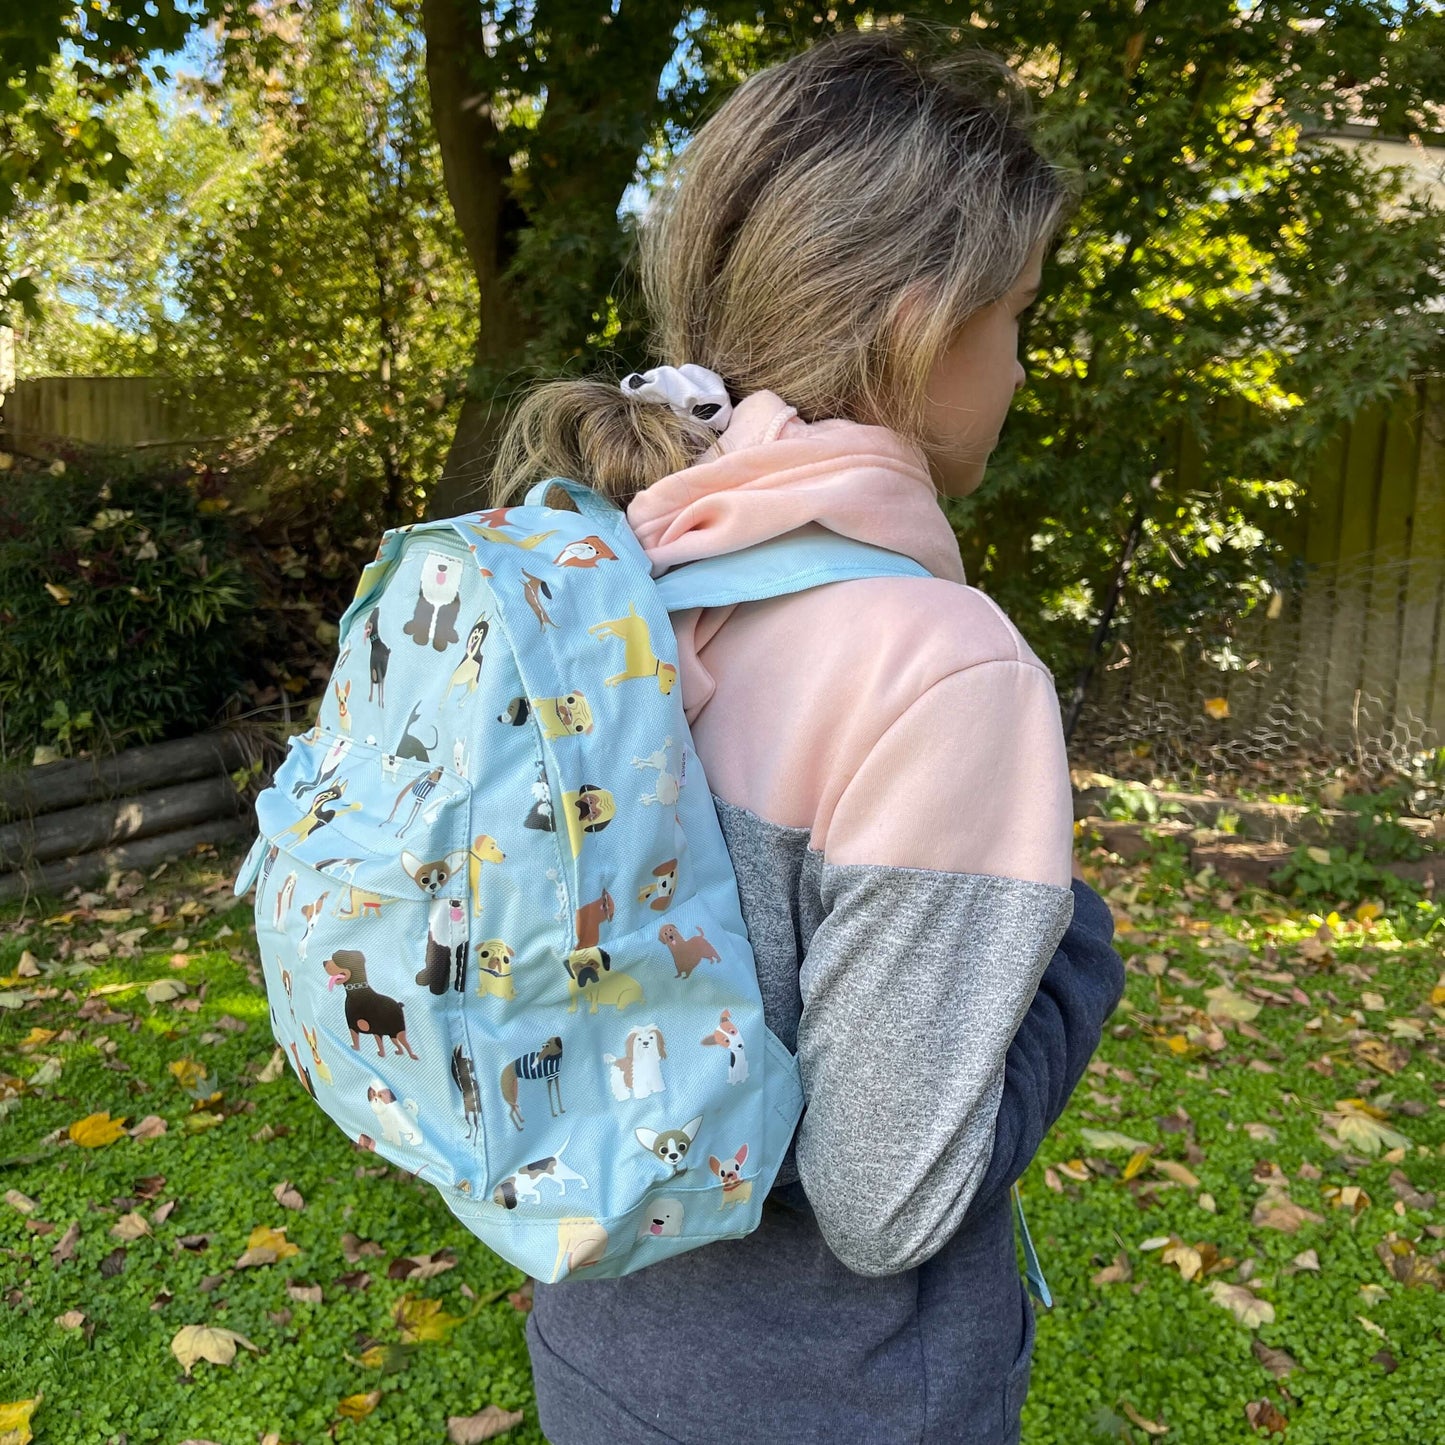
(1306, 1259)
(286, 1196)
(1116, 1273)
(1189, 1261)
(1276, 1210)
(1263, 1416)
(130, 1226)
(485, 1425)
(1278, 1362)
(1242, 1303)
(26, 1205)
(1180, 1173)
(151, 1127)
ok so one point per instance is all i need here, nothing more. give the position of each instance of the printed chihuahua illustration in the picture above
(670, 1145)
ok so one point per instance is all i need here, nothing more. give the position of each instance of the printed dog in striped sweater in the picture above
(544, 1063)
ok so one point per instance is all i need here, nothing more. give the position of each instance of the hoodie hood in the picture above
(770, 473)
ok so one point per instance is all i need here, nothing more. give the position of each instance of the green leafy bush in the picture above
(120, 603)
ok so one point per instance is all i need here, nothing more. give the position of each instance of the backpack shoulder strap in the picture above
(808, 557)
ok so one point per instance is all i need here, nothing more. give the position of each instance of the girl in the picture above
(837, 264)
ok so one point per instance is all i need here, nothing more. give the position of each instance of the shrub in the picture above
(121, 600)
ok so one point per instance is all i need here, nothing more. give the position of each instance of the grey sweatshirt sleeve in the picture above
(913, 986)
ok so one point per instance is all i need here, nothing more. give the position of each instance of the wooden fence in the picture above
(45, 414)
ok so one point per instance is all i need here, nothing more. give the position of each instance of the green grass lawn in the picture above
(1237, 1215)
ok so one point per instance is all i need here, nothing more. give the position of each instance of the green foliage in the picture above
(1334, 877)
(72, 153)
(120, 606)
(1133, 802)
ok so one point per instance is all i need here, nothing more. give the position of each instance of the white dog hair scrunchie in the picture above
(690, 390)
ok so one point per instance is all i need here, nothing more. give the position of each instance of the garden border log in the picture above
(93, 867)
(99, 825)
(30, 792)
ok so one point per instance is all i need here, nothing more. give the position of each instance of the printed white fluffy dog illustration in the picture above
(638, 1072)
(398, 1123)
(662, 1219)
(727, 1036)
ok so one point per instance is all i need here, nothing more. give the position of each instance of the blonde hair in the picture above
(788, 238)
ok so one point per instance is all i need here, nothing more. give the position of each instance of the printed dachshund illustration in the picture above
(468, 671)
(670, 1146)
(591, 917)
(638, 658)
(367, 1011)
(438, 600)
(687, 953)
(534, 589)
(544, 1063)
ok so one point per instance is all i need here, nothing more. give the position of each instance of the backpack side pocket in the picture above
(362, 917)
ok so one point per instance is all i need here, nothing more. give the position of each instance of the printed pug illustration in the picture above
(589, 810)
(564, 717)
(670, 1146)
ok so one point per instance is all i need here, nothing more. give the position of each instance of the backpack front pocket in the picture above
(363, 921)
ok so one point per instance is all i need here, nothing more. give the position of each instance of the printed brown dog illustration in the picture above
(687, 953)
(367, 1011)
(591, 917)
(580, 1241)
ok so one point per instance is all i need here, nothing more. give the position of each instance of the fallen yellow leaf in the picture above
(1217, 707)
(358, 1407)
(95, 1130)
(207, 1342)
(15, 1421)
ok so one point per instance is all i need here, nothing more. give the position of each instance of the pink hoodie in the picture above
(903, 721)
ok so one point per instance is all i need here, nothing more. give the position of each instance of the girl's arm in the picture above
(1080, 988)
(946, 889)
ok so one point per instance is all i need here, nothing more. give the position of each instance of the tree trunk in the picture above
(476, 174)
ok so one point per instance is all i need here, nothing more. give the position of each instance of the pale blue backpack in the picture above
(498, 923)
